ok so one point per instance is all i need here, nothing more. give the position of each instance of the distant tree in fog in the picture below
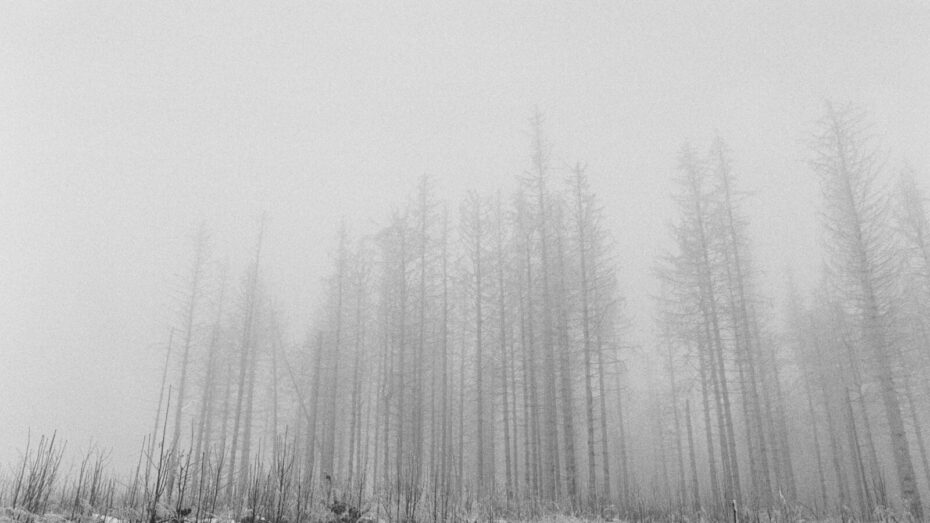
(469, 357)
(913, 228)
(862, 261)
(238, 473)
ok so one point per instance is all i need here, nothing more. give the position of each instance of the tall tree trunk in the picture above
(444, 358)
(531, 391)
(227, 396)
(695, 484)
(602, 396)
(502, 328)
(515, 438)
(476, 254)
(703, 365)
(246, 348)
(246, 461)
(356, 374)
(565, 371)
(461, 450)
(782, 430)
(682, 490)
(727, 421)
(205, 427)
(327, 458)
(314, 407)
(277, 346)
(918, 429)
(161, 392)
(621, 442)
(420, 400)
(190, 314)
(552, 470)
(817, 453)
(722, 433)
(401, 471)
(842, 486)
(658, 439)
(855, 455)
(744, 322)
(580, 224)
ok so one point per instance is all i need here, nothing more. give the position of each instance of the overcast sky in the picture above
(123, 125)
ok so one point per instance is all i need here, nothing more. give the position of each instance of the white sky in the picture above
(123, 125)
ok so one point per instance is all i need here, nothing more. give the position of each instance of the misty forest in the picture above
(465, 262)
(469, 360)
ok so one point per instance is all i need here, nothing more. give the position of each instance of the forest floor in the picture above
(9, 516)
(18, 516)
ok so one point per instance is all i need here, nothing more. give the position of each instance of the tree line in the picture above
(479, 353)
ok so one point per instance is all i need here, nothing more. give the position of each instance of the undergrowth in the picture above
(173, 486)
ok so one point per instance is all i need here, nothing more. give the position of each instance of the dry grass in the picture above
(169, 486)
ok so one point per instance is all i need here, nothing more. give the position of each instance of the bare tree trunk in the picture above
(703, 365)
(727, 421)
(356, 372)
(314, 407)
(381, 393)
(918, 429)
(722, 433)
(190, 314)
(813, 415)
(580, 224)
(782, 429)
(422, 242)
(246, 461)
(565, 373)
(855, 456)
(401, 473)
(277, 346)
(602, 396)
(461, 449)
(751, 429)
(246, 348)
(658, 440)
(889, 394)
(838, 470)
(682, 490)
(552, 477)
(695, 485)
(515, 439)
(530, 383)
(622, 454)
(301, 415)
(161, 391)
(205, 428)
(502, 328)
(327, 457)
(227, 395)
(444, 358)
(744, 322)
(529, 432)
(475, 221)
(388, 387)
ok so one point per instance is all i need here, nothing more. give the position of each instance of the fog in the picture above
(126, 126)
